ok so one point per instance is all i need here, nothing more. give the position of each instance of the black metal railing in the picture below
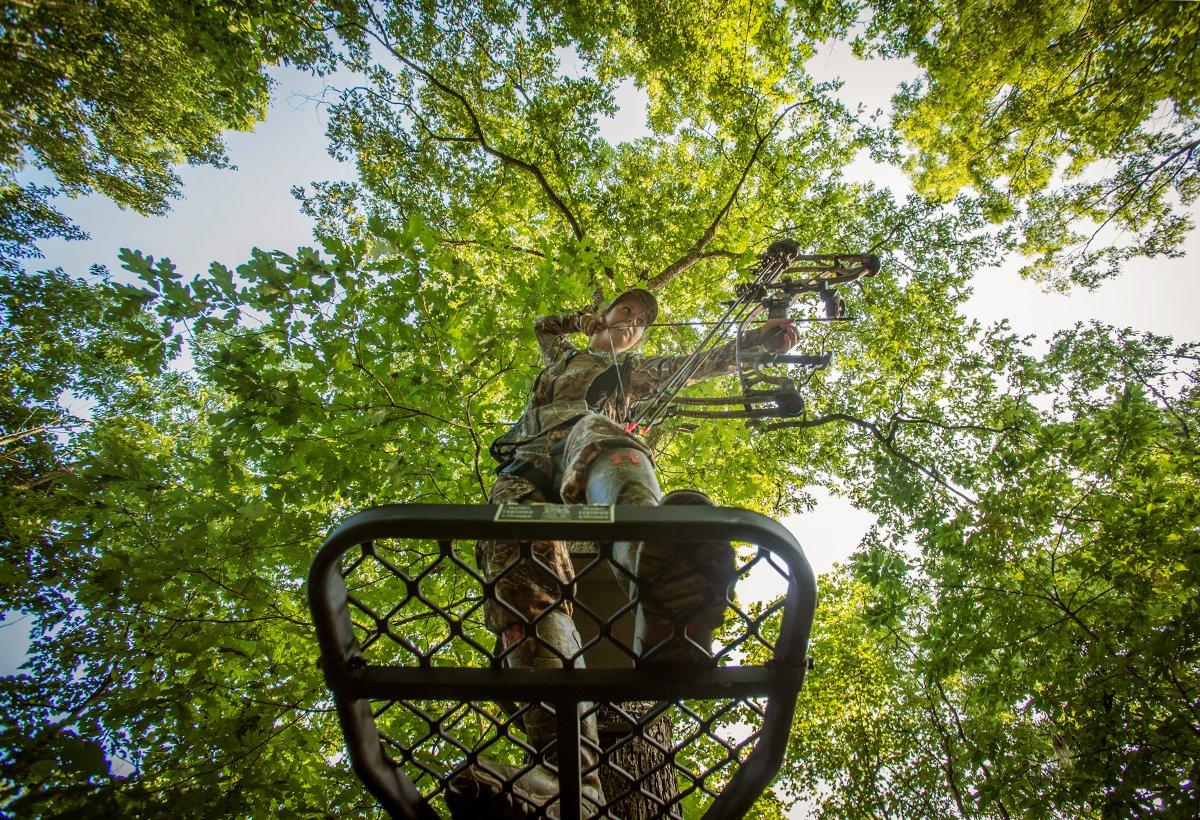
(422, 689)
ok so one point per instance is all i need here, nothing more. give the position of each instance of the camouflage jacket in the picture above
(577, 381)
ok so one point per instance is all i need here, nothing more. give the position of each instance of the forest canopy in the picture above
(1017, 634)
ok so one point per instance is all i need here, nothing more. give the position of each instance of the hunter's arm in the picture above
(551, 332)
(652, 371)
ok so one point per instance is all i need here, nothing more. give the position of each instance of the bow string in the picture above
(780, 277)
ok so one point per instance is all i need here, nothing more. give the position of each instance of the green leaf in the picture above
(42, 769)
(86, 757)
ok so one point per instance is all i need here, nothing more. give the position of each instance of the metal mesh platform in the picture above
(422, 688)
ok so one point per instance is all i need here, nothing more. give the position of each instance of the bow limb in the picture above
(739, 359)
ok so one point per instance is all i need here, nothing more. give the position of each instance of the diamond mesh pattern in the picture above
(420, 604)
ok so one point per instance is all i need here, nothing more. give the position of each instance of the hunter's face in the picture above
(623, 327)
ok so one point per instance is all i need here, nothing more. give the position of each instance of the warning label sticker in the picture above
(582, 513)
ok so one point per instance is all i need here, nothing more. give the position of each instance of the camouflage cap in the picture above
(644, 298)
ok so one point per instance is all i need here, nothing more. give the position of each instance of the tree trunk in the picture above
(632, 764)
(633, 759)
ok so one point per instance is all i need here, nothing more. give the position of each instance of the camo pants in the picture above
(529, 576)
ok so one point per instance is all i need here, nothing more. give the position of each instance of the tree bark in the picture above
(635, 765)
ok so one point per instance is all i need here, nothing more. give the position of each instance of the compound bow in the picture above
(781, 276)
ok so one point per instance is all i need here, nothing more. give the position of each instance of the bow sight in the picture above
(782, 276)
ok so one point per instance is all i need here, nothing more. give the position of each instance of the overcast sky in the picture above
(225, 213)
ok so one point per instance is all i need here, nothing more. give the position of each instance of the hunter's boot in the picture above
(685, 590)
(500, 790)
(683, 587)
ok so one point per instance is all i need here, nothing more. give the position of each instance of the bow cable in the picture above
(736, 314)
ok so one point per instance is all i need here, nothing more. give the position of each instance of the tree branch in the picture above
(962, 736)
(886, 440)
(494, 246)
(477, 127)
(695, 253)
(16, 436)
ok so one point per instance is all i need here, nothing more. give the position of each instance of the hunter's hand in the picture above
(590, 324)
(777, 335)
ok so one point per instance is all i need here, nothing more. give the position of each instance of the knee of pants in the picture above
(524, 581)
(579, 467)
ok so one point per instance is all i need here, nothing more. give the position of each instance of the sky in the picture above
(225, 213)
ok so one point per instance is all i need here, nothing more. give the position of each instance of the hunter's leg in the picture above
(527, 610)
(683, 587)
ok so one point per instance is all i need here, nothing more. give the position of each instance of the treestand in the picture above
(422, 691)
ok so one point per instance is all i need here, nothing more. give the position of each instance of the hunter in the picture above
(572, 445)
